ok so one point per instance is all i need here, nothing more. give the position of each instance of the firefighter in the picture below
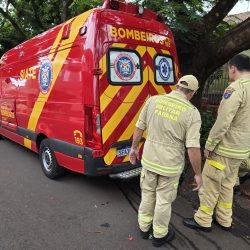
(227, 145)
(172, 123)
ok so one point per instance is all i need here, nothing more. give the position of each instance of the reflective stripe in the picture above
(233, 152)
(160, 230)
(209, 141)
(176, 185)
(146, 219)
(216, 164)
(180, 101)
(206, 209)
(225, 205)
(245, 82)
(248, 164)
(163, 169)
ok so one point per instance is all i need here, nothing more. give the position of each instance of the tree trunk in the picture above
(64, 11)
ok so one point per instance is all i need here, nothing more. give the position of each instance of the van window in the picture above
(164, 69)
(124, 67)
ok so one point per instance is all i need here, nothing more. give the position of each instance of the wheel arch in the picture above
(39, 139)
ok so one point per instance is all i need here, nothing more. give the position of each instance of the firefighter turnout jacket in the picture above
(230, 135)
(172, 123)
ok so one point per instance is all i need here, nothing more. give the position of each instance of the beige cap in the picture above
(192, 82)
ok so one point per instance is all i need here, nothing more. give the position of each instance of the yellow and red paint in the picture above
(57, 60)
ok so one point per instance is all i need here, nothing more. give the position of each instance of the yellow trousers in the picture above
(158, 192)
(219, 176)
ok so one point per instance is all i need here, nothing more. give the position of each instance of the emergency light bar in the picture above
(138, 10)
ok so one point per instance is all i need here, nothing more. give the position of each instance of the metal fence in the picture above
(215, 86)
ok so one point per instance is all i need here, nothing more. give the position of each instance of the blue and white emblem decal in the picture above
(227, 93)
(164, 69)
(45, 76)
(125, 67)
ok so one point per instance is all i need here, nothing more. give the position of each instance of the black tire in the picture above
(1, 137)
(48, 161)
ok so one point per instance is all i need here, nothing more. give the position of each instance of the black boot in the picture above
(224, 228)
(157, 242)
(144, 235)
(191, 223)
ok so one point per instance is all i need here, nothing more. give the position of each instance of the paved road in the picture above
(77, 212)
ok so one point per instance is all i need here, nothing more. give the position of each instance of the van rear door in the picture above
(123, 83)
(162, 58)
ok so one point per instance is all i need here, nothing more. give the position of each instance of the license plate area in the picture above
(123, 151)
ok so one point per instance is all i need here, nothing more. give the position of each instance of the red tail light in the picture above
(159, 18)
(92, 127)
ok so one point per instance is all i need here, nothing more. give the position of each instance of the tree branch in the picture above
(212, 54)
(37, 15)
(12, 21)
(217, 14)
(226, 47)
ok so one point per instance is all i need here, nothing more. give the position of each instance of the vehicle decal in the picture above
(164, 69)
(125, 67)
(138, 35)
(57, 63)
(45, 76)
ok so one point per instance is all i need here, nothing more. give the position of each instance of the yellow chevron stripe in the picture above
(165, 52)
(57, 65)
(103, 65)
(131, 126)
(151, 51)
(158, 88)
(123, 108)
(141, 50)
(107, 96)
(110, 156)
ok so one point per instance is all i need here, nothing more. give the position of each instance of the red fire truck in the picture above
(73, 93)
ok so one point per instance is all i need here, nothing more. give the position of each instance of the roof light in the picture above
(159, 18)
(140, 9)
(114, 5)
